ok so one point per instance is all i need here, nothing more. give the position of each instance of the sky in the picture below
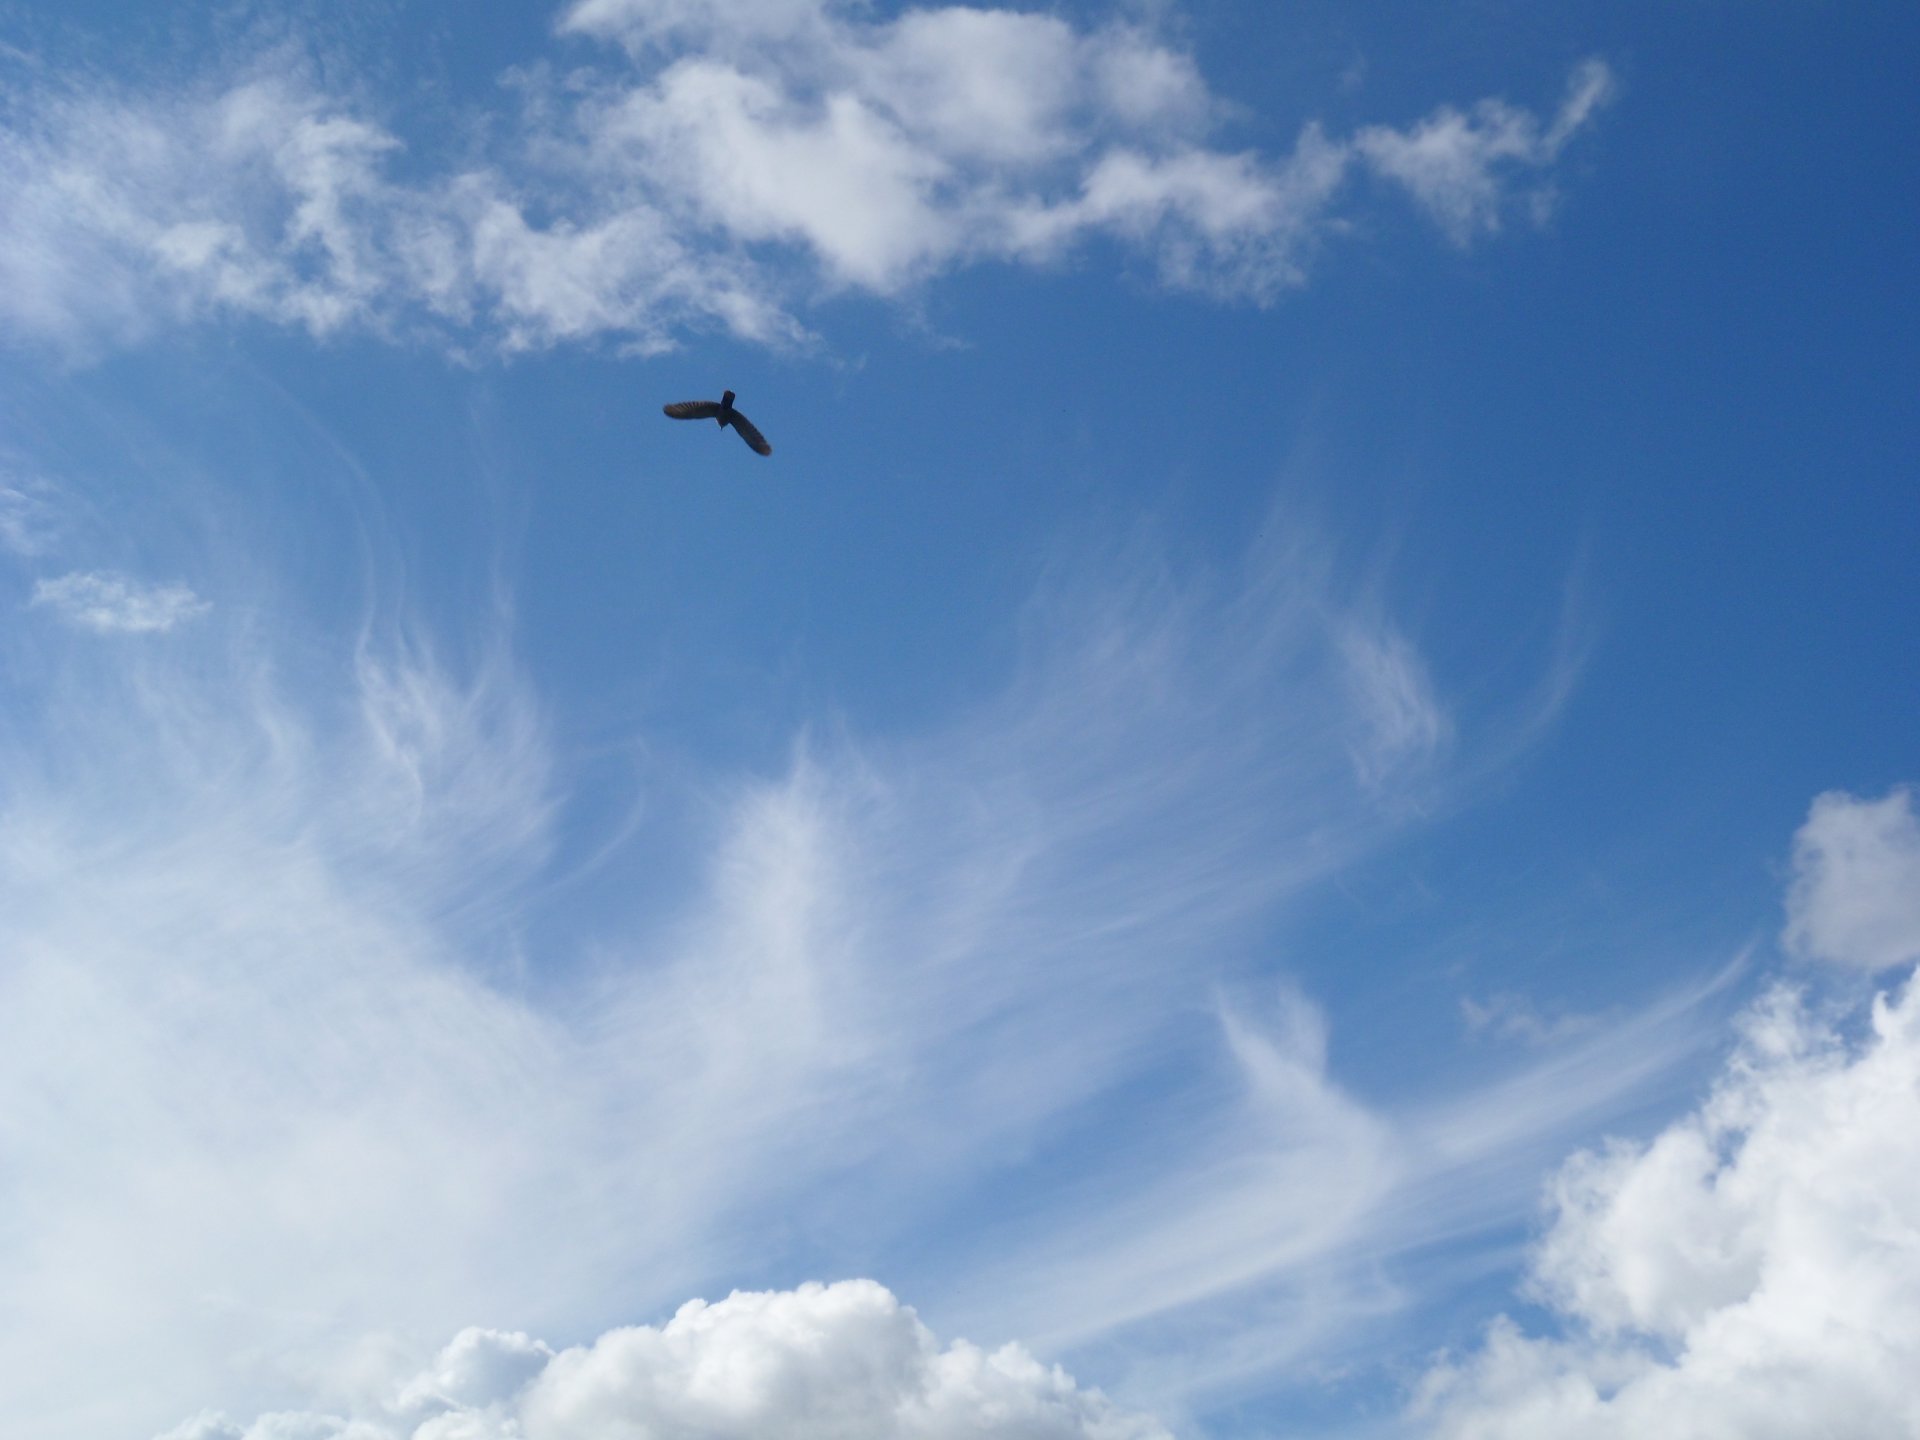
(1287, 810)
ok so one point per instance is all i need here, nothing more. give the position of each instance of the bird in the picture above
(723, 412)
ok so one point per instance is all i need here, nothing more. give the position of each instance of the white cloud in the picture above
(1279, 1180)
(112, 604)
(722, 177)
(283, 1103)
(1855, 898)
(1458, 166)
(1754, 1271)
(1276, 1231)
(265, 198)
(822, 1362)
(1236, 226)
(645, 23)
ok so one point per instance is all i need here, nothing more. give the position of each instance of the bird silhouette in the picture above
(723, 412)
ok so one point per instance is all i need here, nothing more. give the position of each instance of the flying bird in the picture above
(723, 413)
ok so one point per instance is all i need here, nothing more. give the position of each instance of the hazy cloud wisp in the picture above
(112, 604)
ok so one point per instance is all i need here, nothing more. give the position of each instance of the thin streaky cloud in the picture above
(1291, 1187)
(256, 1016)
(28, 522)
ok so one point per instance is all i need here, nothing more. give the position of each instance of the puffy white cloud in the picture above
(479, 1369)
(724, 174)
(1754, 1271)
(1855, 898)
(823, 1362)
(894, 149)
(116, 605)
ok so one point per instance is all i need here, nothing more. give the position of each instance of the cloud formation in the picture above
(1855, 899)
(714, 179)
(1753, 1271)
(844, 1361)
(278, 1072)
(1405, 723)
(1456, 164)
(113, 604)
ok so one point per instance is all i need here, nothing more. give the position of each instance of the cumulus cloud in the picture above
(1752, 1271)
(1855, 898)
(111, 604)
(822, 1362)
(715, 178)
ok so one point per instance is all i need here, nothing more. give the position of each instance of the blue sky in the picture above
(1284, 811)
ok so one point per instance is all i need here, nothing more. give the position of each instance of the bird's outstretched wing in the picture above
(751, 434)
(693, 409)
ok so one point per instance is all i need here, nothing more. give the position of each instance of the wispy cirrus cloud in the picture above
(1280, 1216)
(265, 1052)
(1405, 724)
(113, 604)
(27, 514)
(718, 177)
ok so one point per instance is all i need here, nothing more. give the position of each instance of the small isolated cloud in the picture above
(1855, 898)
(26, 512)
(1513, 1017)
(845, 1361)
(111, 604)
(1753, 1271)
(1459, 165)
(692, 175)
